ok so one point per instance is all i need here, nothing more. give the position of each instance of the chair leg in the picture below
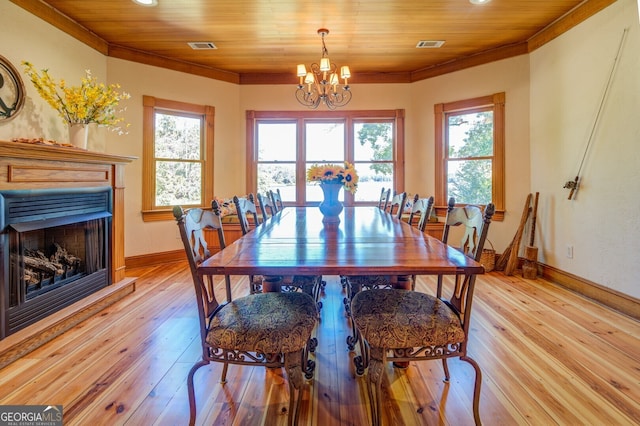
(447, 376)
(191, 391)
(223, 377)
(318, 288)
(353, 288)
(374, 384)
(292, 365)
(354, 337)
(476, 389)
(361, 362)
(309, 365)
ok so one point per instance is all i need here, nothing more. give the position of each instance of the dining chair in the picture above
(247, 212)
(310, 284)
(396, 204)
(420, 210)
(276, 199)
(382, 205)
(248, 218)
(398, 325)
(385, 194)
(471, 217)
(266, 205)
(268, 329)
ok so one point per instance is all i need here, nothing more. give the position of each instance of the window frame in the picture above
(301, 117)
(495, 103)
(151, 105)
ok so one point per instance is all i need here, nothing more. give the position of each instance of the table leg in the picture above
(271, 283)
(401, 281)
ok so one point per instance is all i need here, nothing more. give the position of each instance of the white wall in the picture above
(568, 78)
(27, 38)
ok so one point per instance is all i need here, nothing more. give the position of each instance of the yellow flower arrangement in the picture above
(91, 102)
(333, 173)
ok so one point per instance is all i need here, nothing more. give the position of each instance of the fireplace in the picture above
(54, 251)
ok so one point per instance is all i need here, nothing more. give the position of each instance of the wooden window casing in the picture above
(495, 103)
(151, 212)
(348, 118)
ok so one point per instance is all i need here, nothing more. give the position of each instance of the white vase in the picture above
(78, 135)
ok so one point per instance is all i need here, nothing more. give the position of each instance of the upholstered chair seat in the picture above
(395, 318)
(267, 323)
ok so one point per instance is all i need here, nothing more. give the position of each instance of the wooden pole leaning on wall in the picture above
(530, 265)
(508, 260)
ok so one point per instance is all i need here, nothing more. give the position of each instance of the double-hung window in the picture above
(178, 156)
(469, 144)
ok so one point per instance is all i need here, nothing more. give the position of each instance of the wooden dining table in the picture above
(366, 241)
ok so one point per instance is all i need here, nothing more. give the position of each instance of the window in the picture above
(178, 155)
(283, 145)
(469, 145)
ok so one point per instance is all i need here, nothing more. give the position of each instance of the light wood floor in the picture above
(548, 357)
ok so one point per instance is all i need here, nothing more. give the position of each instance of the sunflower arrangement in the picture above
(91, 102)
(334, 173)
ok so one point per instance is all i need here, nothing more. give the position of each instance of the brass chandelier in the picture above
(321, 84)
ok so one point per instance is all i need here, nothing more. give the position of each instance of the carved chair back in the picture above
(276, 199)
(421, 210)
(247, 212)
(267, 208)
(396, 205)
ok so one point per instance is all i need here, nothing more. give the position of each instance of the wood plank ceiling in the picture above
(261, 41)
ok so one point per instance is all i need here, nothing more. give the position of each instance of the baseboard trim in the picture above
(613, 299)
(22, 342)
(154, 259)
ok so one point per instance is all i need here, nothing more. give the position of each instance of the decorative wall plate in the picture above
(12, 91)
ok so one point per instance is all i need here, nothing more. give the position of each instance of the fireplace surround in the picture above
(53, 170)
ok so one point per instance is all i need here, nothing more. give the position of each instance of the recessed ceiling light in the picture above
(479, 1)
(148, 3)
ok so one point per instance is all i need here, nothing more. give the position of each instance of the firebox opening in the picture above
(48, 258)
(54, 251)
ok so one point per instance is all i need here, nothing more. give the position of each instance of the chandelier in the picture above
(321, 84)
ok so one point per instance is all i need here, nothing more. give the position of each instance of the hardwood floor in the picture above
(548, 356)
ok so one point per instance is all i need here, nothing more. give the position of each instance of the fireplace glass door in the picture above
(54, 251)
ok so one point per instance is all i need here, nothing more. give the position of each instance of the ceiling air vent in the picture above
(202, 45)
(429, 44)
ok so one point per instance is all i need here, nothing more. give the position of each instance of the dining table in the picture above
(365, 241)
